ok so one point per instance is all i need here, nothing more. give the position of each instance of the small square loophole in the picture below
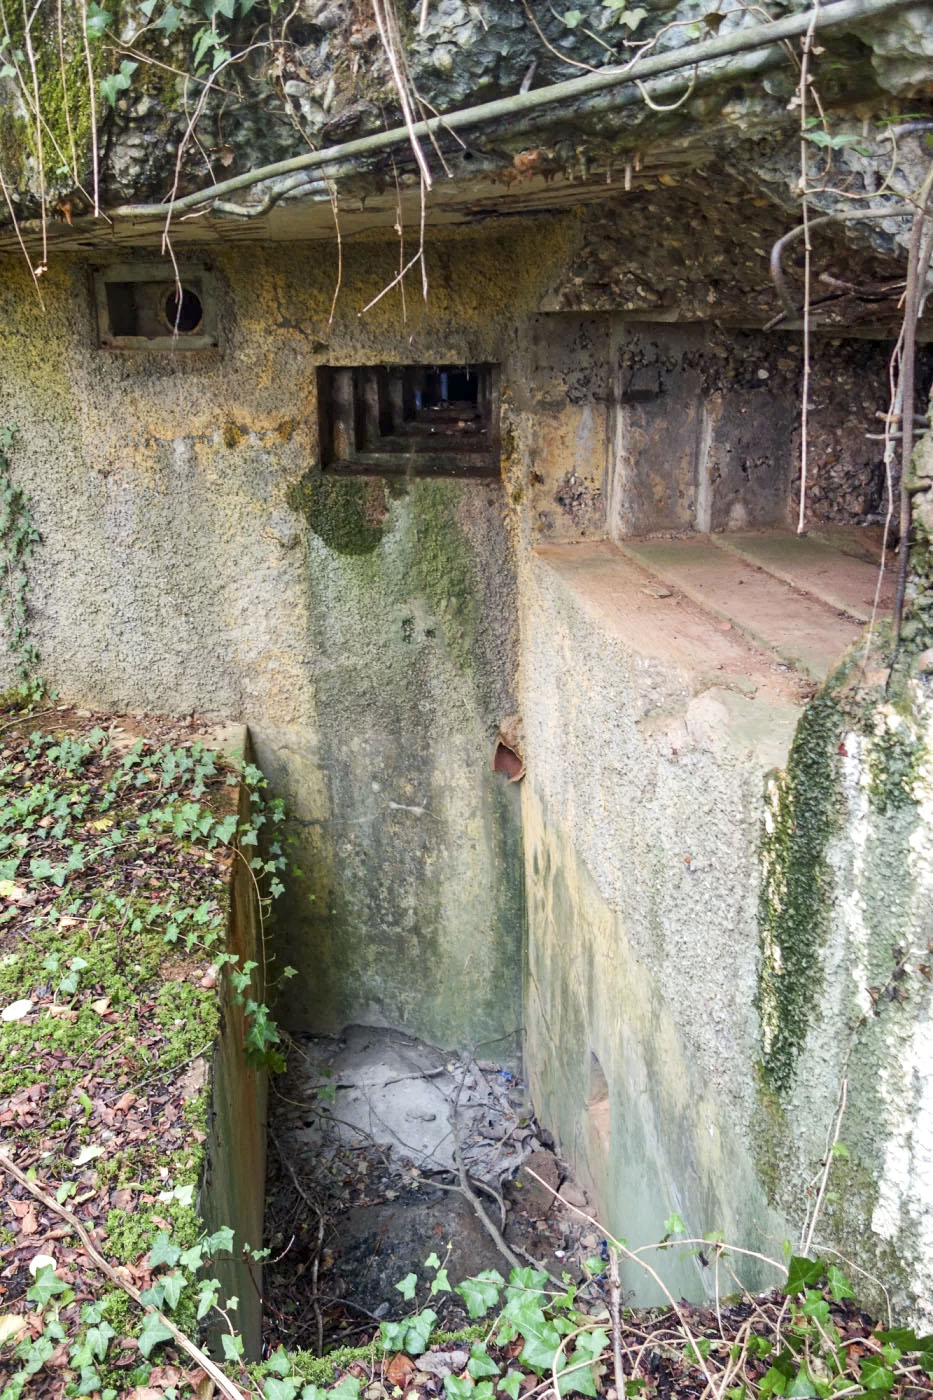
(427, 420)
(143, 306)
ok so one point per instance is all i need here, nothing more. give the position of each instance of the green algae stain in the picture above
(346, 513)
(443, 572)
(794, 905)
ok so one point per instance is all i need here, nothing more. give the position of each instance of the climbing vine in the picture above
(18, 538)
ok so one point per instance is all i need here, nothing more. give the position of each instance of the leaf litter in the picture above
(98, 1030)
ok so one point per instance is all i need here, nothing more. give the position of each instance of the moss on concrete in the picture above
(347, 513)
(444, 569)
(794, 908)
(895, 760)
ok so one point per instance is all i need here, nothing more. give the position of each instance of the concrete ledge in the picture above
(803, 631)
(843, 580)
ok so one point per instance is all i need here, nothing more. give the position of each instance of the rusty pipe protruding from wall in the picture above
(507, 753)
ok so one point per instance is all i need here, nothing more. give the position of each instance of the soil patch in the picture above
(364, 1185)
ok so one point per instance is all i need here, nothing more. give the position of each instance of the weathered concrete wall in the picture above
(845, 995)
(194, 559)
(729, 907)
(641, 805)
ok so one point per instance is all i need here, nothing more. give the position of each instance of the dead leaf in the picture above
(16, 1010)
(87, 1154)
(399, 1369)
(101, 1006)
(29, 1224)
(62, 1013)
(444, 1363)
(11, 1327)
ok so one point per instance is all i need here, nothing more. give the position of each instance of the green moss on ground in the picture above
(113, 901)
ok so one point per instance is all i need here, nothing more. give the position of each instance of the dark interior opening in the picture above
(449, 386)
(427, 419)
(184, 313)
(121, 308)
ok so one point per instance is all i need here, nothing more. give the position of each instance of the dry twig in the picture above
(222, 1382)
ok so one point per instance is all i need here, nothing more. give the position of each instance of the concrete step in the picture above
(864, 541)
(841, 580)
(802, 630)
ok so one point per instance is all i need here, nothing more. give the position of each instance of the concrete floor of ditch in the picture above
(361, 1166)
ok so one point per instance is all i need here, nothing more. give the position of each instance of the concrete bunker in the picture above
(616, 563)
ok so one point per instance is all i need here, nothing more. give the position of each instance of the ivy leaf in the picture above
(419, 1330)
(278, 1363)
(225, 829)
(232, 1346)
(875, 1375)
(441, 1283)
(98, 1339)
(482, 1292)
(275, 1389)
(511, 1384)
(903, 1337)
(457, 1388)
(838, 1284)
(816, 1306)
(432, 1262)
(526, 1280)
(802, 1385)
(348, 1389)
(163, 1251)
(88, 1381)
(542, 1340)
(407, 1286)
(153, 1332)
(580, 1380)
(208, 1293)
(169, 20)
(46, 1286)
(97, 20)
(173, 1286)
(220, 1242)
(111, 87)
(481, 1363)
(802, 1272)
(572, 18)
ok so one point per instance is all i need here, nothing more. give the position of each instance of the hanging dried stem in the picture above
(806, 48)
(917, 263)
(389, 44)
(65, 104)
(95, 153)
